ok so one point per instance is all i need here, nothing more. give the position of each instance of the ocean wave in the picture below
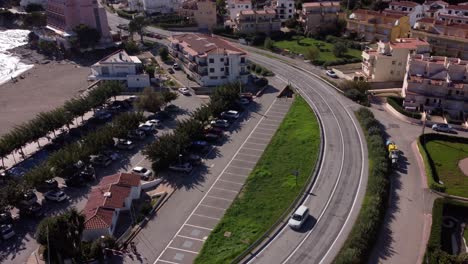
(10, 65)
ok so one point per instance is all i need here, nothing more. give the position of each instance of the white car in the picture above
(154, 122)
(144, 173)
(220, 123)
(184, 91)
(299, 217)
(442, 128)
(7, 231)
(332, 74)
(231, 114)
(57, 196)
(147, 128)
(184, 167)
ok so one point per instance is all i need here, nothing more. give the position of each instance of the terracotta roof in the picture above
(199, 44)
(408, 43)
(102, 219)
(317, 4)
(118, 195)
(242, 1)
(258, 12)
(426, 20)
(405, 3)
(458, 7)
(396, 13)
(436, 2)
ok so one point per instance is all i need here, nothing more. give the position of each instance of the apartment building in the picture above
(119, 66)
(413, 10)
(455, 14)
(154, 6)
(235, 6)
(211, 61)
(64, 15)
(433, 8)
(388, 61)
(257, 21)
(25, 3)
(437, 83)
(373, 25)
(285, 9)
(446, 38)
(203, 12)
(317, 14)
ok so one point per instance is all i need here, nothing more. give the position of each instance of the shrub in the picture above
(269, 44)
(124, 14)
(429, 166)
(131, 47)
(164, 53)
(397, 104)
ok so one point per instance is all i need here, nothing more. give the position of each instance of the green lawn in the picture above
(326, 53)
(270, 188)
(446, 155)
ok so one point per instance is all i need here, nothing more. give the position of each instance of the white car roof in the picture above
(138, 168)
(301, 210)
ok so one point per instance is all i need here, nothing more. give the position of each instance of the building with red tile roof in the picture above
(113, 194)
(256, 21)
(316, 15)
(412, 10)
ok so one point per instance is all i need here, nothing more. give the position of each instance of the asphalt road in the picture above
(337, 193)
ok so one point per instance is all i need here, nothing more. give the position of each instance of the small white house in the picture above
(119, 66)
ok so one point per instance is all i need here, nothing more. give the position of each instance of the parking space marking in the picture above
(184, 250)
(237, 175)
(215, 197)
(213, 207)
(267, 129)
(214, 218)
(252, 149)
(225, 190)
(211, 229)
(248, 158)
(250, 155)
(165, 261)
(247, 161)
(263, 124)
(264, 139)
(231, 182)
(265, 134)
(201, 240)
(260, 144)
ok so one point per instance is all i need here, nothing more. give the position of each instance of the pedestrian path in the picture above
(188, 241)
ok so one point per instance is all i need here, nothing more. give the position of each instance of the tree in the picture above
(269, 44)
(150, 101)
(35, 19)
(137, 25)
(164, 53)
(168, 96)
(291, 23)
(131, 47)
(86, 36)
(202, 114)
(150, 69)
(33, 8)
(339, 49)
(312, 53)
(221, 7)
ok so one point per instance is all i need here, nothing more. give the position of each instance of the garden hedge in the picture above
(397, 104)
(429, 166)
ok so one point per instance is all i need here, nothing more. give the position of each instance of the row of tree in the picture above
(165, 151)
(47, 122)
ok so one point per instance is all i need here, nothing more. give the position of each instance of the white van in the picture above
(299, 217)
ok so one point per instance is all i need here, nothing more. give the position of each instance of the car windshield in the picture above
(297, 217)
(143, 170)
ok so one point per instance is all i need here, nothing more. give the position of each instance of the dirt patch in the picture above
(463, 165)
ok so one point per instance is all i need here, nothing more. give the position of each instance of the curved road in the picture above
(338, 190)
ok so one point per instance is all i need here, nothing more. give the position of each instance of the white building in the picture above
(457, 14)
(235, 6)
(209, 60)
(433, 8)
(413, 10)
(108, 203)
(25, 3)
(285, 9)
(119, 66)
(155, 6)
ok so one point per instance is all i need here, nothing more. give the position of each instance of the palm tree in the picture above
(137, 25)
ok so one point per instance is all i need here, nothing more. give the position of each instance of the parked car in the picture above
(48, 185)
(220, 123)
(231, 114)
(33, 210)
(100, 160)
(137, 134)
(215, 130)
(183, 167)
(331, 73)
(442, 128)
(5, 217)
(211, 137)
(176, 66)
(299, 217)
(171, 108)
(147, 128)
(171, 71)
(113, 155)
(125, 144)
(29, 197)
(199, 146)
(194, 159)
(244, 101)
(103, 116)
(55, 195)
(75, 181)
(7, 231)
(16, 172)
(184, 91)
(144, 173)
(155, 122)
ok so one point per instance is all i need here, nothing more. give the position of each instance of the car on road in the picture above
(144, 173)
(100, 160)
(231, 114)
(171, 71)
(331, 73)
(176, 66)
(184, 91)
(299, 217)
(155, 122)
(57, 196)
(220, 123)
(393, 155)
(442, 128)
(7, 231)
(125, 144)
(182, 167)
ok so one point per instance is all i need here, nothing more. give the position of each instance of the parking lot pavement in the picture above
(188, 240)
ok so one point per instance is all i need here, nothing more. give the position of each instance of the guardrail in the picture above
(299, 199)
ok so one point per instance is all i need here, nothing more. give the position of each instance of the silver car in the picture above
(442, 128)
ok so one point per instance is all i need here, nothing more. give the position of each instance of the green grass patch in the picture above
(326, 49)
(270, 188)
(445, 156)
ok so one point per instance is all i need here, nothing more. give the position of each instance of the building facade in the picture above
(372, 25)
(413, 10)
(64, 15)
(437, 84)
(257, 21)
(211, 61)
(317, 14)
(285, 9)
(388, 62)
(235, 6)
(456, 14)
(25, 3)
(447, 39)
(205, 15)
(433, 8)
(119, 66)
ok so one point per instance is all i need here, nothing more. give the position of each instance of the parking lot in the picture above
(188, 241)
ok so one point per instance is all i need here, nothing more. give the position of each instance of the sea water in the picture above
(10, 65)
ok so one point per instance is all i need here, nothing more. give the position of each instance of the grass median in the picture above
(270, 188)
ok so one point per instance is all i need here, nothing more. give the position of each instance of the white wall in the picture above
(136, 81)
(234, 9)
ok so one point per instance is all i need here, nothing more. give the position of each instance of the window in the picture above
(391, 72)
(399, 64)
(222, 69)
(221, 60)
(242, 60)
(211, 60)
(212, 70)
(214, 78)
(393, 62)
(457, 92)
